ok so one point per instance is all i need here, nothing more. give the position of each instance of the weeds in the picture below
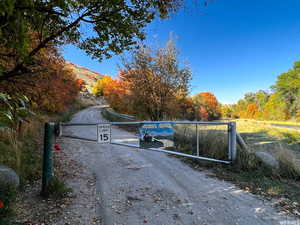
(67, 117)
(58, 189)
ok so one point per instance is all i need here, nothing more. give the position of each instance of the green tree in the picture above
(287, 88)
(250, 98)
(226, 111)
(275, 109)
(261, 98)
(239, 109)
(27, 26)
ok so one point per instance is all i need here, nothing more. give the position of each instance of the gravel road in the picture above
(138, 187)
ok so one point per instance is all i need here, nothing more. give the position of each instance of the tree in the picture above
(209, 102)
(250, 98)
(27, 26)
(186, 108)
(118, 96)
(99, 86)
(261, 98)
(275, 109)
(51, 90)
(252, 110)
(287, 88)
(154, 81)
(226, 111)
(203, 114)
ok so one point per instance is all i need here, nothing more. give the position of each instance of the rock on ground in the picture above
(268, 159)
(9, 176)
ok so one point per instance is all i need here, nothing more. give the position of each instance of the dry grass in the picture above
(283, 144)
(213, 140)
(23, 153)
(264, 133)
(266, 122)
(289, 164)
(248, 171)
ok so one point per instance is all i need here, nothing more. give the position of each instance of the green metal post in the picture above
(48, 157)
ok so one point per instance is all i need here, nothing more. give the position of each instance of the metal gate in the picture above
(183, 138)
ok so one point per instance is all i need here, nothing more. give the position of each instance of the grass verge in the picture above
(266, 122)
(248, 171)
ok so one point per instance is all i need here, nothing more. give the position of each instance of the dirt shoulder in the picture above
(77, 208)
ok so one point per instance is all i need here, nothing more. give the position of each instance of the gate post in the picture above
(47, 157)
(232, 142)
(197, 136)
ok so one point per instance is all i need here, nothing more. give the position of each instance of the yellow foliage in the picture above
(98, 88)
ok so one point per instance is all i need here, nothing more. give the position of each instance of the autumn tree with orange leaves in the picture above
(153, 81)
(207, 106)
(118, 96)
(50, 90)
(152, 86)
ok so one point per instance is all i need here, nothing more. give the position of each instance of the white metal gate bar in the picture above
(230, 125)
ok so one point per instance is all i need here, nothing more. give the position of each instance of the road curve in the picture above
(138, 187)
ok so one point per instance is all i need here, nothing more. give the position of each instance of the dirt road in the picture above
(138, 187)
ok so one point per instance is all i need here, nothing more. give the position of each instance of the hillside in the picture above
(87, 75)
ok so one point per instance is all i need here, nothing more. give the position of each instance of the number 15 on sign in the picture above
(104, 133)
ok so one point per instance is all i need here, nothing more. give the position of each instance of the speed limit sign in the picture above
(104, 133)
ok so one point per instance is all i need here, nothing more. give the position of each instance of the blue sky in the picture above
(232, 46)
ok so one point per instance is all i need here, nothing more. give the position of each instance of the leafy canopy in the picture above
(151, 84)
(99, 27)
